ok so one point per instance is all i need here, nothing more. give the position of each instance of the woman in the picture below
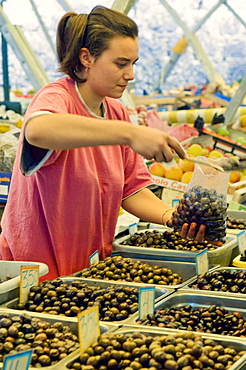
(79, 157)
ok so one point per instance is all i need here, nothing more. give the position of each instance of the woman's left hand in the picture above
(190, 232)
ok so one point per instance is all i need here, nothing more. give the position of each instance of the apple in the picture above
(186, 165)
(195, 150)
(174, 173)
(235, 176)
(215, 154)
(157, 169)
(187, 176)
(224, 131)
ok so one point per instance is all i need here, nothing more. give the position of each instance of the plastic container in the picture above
(195, 299)
(220, 294)
(237, 215)
(231, 342)
(187, 270)
(236, 262)
(73, 325)
(220, 256)
(160, 293)
(10, 289)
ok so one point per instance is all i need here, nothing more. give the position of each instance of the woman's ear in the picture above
(85, 57)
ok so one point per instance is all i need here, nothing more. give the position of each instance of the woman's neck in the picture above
(91, 102)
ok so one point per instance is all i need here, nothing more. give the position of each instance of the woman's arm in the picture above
(148, 207)
(69, 131)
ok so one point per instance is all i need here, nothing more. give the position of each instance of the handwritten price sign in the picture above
(146, 301)
(88, 326)
(18, 361)
(29, 276)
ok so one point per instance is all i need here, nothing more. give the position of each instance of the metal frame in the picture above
(14, 36)
(212, 75)
(23, 51)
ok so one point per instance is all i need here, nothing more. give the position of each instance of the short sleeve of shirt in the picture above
(47, 101)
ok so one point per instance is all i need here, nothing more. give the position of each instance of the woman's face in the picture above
(111, 72)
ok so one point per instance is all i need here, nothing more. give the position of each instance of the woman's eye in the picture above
(121, 65)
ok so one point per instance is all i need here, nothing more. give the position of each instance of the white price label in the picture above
(88, 327)
(18, 361)
(202, 265)
(175, 202)
(94, 258)
(133, 229)
(241, 238)
(146, 302)
(29, 276)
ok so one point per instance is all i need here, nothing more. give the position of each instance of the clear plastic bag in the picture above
(8, 149)
(204, 202)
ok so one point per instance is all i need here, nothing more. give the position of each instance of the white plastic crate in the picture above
(10, 289)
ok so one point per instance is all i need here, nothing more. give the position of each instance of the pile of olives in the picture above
(232, 223)
(59, 298)
(224, 280)
(213, 319)
(6, 278)
(50, 342)
(125, 269)
(168, 239)
(134, 351)
(203, 206)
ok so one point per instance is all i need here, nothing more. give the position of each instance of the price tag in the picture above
(175, 202)
(29, 276)
(94, 258)
(202, 262)
(241, 238)
(88, 327)
(146, 301)
(133, 229)
(21, 360)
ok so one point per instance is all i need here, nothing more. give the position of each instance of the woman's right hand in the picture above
(155, 144)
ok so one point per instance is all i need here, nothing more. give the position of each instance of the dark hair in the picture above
(92, 31)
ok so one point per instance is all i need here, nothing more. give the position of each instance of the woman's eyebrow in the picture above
(127, 59)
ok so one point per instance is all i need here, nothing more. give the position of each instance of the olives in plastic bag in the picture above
(204, 202)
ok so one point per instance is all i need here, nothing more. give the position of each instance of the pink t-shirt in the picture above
(68, 208)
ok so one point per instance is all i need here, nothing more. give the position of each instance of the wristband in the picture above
(164, 213)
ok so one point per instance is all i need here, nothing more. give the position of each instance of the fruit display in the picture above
(137, 350)
(125, 269)
(50, 342)
(224, 280)
(69, 299)
(203, 206)
(213, 319)
(167, 239)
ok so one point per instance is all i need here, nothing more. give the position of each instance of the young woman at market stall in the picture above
(79, 157)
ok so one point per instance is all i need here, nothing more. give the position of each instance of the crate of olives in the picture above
(236, 221)
(53, 341)
(68, 297)
(144, 348)
(166, 243)
(140, 271)
(223, 281)
(200, 311)
(10, 277)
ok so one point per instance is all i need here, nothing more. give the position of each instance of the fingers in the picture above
(177, 147)
(190, 232)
